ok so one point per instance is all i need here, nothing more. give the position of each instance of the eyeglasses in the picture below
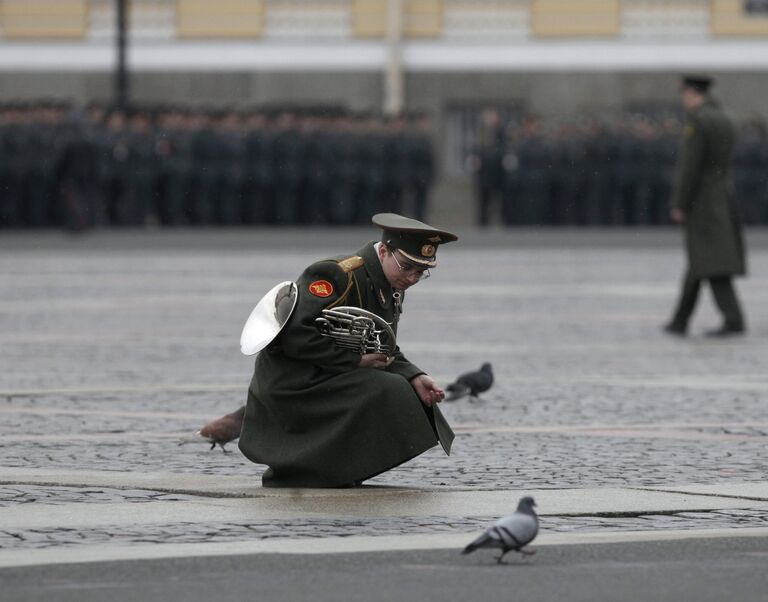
(420, 274)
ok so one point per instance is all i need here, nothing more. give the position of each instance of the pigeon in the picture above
(510, 533)
(470, 384)
(223, 430)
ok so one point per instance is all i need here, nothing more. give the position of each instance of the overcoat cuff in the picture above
(405, 369)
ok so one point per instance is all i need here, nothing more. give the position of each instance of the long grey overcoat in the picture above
(313, 415)
(703, 191)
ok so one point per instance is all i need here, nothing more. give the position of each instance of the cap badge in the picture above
(435, 239)
(321, 288)
(428, 250)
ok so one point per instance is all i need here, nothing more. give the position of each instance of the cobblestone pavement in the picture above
(110, 354)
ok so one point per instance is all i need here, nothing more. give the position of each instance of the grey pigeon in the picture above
(510, 533)
(471, 383)
(223, 430)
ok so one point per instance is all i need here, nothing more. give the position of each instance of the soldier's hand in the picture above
(677, 216)
(427, 390)
(375, 360)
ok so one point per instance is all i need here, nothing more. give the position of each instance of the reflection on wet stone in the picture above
(303, 528)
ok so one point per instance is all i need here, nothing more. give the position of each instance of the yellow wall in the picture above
(369, 18)
(567, 18)
(728, 18)
(50, 19)
(219, 18)
(421, 18)
(44, 19)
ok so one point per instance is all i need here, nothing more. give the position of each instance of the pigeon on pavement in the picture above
(470, 383)
(510, 533)
(223, 430)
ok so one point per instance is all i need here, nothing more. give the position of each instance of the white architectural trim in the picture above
(591, 55)
(442, 56)
(55, 56)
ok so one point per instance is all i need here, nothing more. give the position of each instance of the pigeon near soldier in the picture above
(470, 384)
(511, 533)
(223, 430)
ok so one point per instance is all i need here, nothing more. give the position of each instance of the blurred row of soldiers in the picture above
(173, 166)
(169, 166)
(585, 172)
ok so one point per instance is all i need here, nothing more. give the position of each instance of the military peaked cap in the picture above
(414, 239)
(700, 83)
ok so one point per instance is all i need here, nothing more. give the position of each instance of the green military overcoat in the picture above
(703, 191)
(313, 416)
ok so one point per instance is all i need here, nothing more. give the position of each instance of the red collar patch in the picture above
(321, 288)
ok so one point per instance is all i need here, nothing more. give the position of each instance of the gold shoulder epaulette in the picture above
(351, 263)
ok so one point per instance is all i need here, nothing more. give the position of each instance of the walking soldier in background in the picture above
(703, 203)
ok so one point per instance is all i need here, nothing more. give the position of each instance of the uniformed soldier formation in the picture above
(584, 171)
(195, 167)
(173, 166)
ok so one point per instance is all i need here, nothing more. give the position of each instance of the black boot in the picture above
(726, 330)
(675, 329)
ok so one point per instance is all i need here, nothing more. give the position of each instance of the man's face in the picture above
(400, 272)
(691, 98)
